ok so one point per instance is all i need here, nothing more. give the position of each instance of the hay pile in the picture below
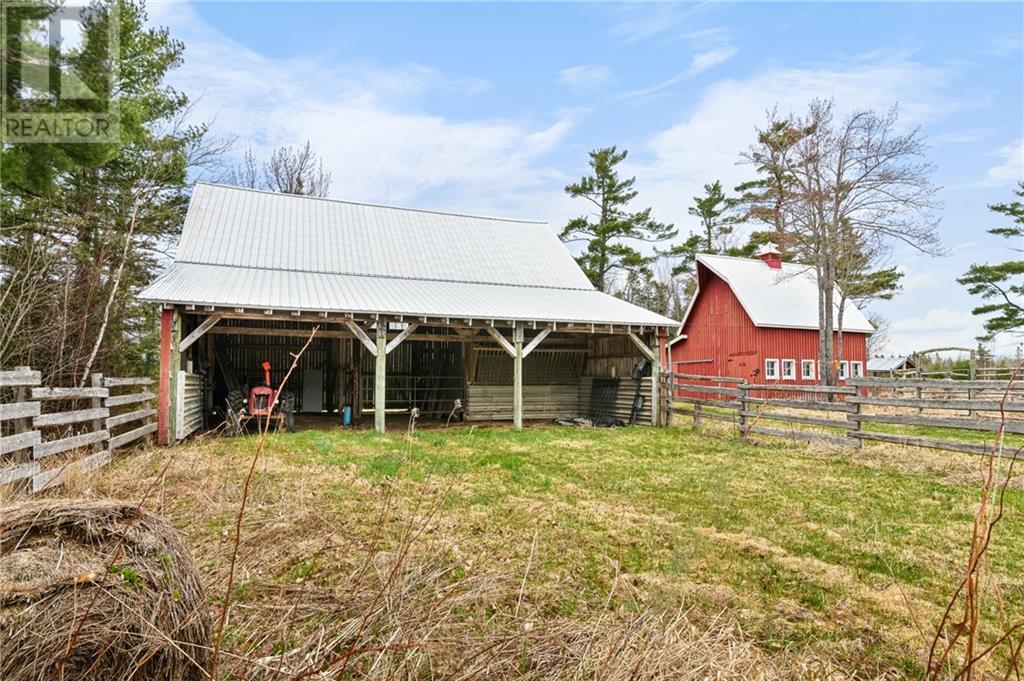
(123, 570)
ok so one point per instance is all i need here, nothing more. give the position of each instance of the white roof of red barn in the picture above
(785, 298)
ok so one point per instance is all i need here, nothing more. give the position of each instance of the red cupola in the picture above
(771, 256)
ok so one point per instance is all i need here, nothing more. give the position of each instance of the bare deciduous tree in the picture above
(290, 170)
(840, 188)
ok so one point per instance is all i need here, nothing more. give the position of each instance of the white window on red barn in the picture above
(771, 368)
(807, 369)
(789, 369)
(844, 370)
(856, 369)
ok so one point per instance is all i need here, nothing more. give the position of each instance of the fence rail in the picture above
(50, 433)
(934, 413)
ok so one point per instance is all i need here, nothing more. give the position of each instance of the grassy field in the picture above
(578, 552)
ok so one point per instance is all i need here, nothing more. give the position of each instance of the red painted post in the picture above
(163, 408)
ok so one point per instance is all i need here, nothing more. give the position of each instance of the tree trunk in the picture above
(839, 328)
(828, 290)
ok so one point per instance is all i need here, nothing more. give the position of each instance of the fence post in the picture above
(97, 403)
(23, 393)
(697, 409)
(854, 418)
(744, 393)
(666, 401)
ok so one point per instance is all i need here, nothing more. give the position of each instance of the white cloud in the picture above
(638, 21)
(706, 142)
(1010, 169)
(366, 120)
(918, 281)
(586, 77)
(699, 63)
(939, 327)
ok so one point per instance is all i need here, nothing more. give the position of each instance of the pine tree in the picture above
(1002, 283)
(83, 226)
(610, 228)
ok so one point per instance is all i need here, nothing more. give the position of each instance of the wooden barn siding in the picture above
(719, 329)
(550, 385)
(540, 401)
(612, 356)
(560, 386)
(551, 401)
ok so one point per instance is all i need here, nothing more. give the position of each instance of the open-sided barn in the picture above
(757, 319)
(415, 309)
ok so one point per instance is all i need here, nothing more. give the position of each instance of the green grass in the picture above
(850, 555)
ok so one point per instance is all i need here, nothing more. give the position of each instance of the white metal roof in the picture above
(261, 250)
(886, 363)
(251, 228)
(777, 298)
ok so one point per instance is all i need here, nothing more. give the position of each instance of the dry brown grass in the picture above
(97, 590)
(321, 593)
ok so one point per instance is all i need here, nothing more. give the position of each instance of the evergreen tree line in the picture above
(84, 227)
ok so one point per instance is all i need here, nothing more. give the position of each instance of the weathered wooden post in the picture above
(97, 403)
(379, 377)
(23, 426)
(853, 417)
(744, 391)
(170, 363)
(517, 378)
(655, 377)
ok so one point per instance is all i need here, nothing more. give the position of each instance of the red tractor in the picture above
(265, 403)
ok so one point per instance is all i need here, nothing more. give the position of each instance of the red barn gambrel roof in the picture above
(784, 298)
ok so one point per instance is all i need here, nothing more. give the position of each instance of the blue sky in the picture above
(491, 108)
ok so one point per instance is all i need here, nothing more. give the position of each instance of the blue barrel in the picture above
(346, 415)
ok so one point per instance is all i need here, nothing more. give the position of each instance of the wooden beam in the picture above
(198, 332)
(535, 341)
(655, 358)
(397, 340)
(639, 343)
(323, 333)
(20, 376)
(379, 377)
(517, 380)
(358, 332)
(164, 426)
(502, 341)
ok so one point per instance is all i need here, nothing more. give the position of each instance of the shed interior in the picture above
(445, 371)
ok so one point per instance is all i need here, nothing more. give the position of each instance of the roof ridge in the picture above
(754, 259)
(371, 205)
(382, 276)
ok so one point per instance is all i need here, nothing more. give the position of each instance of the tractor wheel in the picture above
(236, 400)
(288, 408)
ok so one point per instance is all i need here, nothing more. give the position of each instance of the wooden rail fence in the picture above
(47, 434)
(953, 415)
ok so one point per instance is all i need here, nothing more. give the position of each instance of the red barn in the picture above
(758, 319)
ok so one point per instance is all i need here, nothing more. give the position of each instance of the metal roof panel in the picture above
(266, 230)
(261, 288)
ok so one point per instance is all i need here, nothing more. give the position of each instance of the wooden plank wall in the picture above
(540, 402)
(50, 433)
